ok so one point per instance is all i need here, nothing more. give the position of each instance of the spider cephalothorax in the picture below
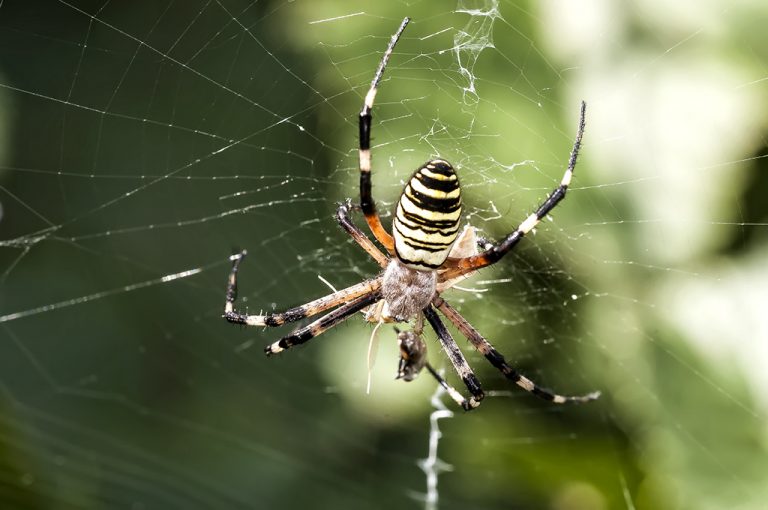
(425, 256)
(406, 291)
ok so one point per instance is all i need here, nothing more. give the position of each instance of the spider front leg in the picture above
(366, 197)
(498, 361)
(413, 358)
(458, 361)
(493, 254)
(292, 314)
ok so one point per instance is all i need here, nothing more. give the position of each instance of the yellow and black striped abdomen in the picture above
(427, 218)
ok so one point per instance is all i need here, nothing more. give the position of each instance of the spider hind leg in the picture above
(494, 253)
(364, 149)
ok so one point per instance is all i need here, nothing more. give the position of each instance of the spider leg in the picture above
(458, 360)
(366, 197)
(498, 361)
(452, 392)
(323, 324)
(413, 358)
(493, 254)
(292, 314)
(344, 218)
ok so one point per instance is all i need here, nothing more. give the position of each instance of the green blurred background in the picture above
(143, 139)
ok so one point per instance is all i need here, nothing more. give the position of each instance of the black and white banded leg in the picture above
(458, 361)
(364, 153)
(498, 361)
(344, 218)
(323, 324)
(413, 358)
(292, 314)
(493, 254)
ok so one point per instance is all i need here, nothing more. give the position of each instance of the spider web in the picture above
(142, 142)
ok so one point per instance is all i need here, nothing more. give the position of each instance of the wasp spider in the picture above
(425, 256)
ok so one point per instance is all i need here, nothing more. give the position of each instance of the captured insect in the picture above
(425, 255)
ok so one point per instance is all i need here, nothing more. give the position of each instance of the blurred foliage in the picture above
(147, 138)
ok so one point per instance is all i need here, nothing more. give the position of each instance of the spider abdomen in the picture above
(427, 217)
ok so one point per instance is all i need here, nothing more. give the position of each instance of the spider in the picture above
(425, 256)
